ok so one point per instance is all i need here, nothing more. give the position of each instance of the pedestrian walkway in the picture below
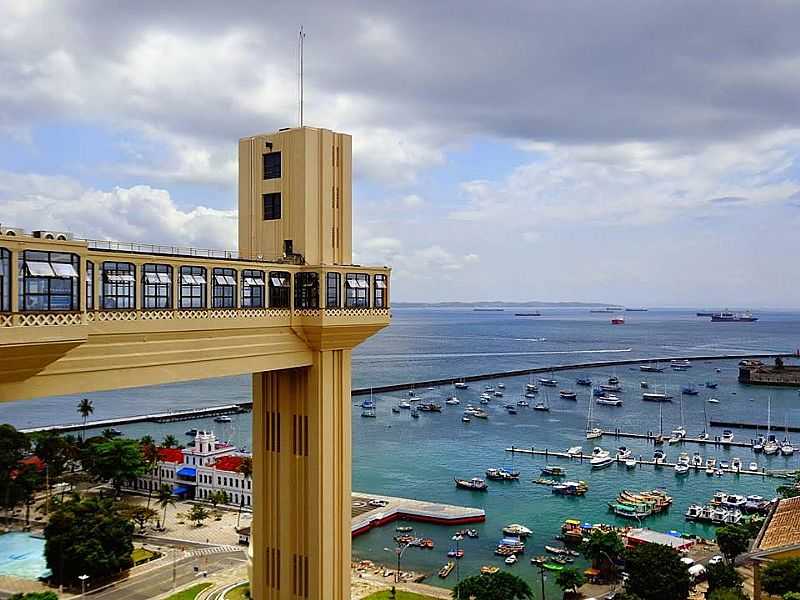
(216, 550)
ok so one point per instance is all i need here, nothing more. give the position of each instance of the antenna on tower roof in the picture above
(301, 37)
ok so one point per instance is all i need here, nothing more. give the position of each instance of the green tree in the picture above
(85, 408)
(723, 576)
(493, 586)
(569, 580)
(141, 515)
(165, 500)
(218, 497)
(781, 576)
(117, 461)
(53, 450)
(246, 469)
(13, 448)
(733, 540)
(728, 594)
(87, 536)
(150, 458)
(35, 596)
(170, 441)
(604, 549)
(791, 596)
(197, 514)
(26, 481)
(656, 572)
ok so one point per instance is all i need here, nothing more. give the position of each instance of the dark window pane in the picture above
(272, 206)
(306, 290)
(333, 290)
(272, 165)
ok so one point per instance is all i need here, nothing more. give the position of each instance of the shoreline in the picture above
(226, 409)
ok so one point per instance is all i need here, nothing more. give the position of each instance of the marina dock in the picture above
(639, 461)
(758, 426)
(366, 516)
(650, 435)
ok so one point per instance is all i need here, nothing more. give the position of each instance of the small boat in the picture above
(404, 528)
(754, 466)
(623, 453)
(727, 435)
(713, 401)
(583, 381)
(515, 529)
(577, 450)
(523, 402)
(498, 394)
(488, 389)
(480, 414)
(395, 410)
(712, 385)
(489, 570)
(629, 511)
(703, 435)
(541, 406)
(594, 433)
(191, 432)
(553, 471)
(511, 559)
(681, 469)
(644, 385)
(460, 385)
(610, 387)
(404, 404)
(465, 419)
(697, 460)
(630, 463)
(568, 395)
(601, 462)
(680, 362)
(656, 397)
(675, 439)
(455, 553)
(486, 396)
(548, 382)
(511, 409)
(659, 457)
(501, 386)
(415, 399)
(475, 484)
(689, 390)
(530, 394)
(551, 566)
(651, 368)
(609, 400)
(452, 400)
(736, 464)
(500, 474)
(222, 419)
(618, 320)
(446, 569)
(430, 407)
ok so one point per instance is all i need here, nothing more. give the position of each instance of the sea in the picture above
(396, 455)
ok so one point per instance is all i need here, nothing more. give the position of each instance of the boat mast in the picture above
(661, 418)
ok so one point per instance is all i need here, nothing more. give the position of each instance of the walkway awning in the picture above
(187, 472)
(180, 490)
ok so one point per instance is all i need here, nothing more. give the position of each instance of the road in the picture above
(153, 583)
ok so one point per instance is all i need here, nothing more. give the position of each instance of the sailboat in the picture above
(679, 432)
(368, 407)
(786, 446)
(591, 432)
(704, 434)
(543, 405)
(660, 439)
(770, 446)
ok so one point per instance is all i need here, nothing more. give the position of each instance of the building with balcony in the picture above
(288, 307)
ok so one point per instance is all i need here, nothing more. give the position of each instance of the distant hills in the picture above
(531, 303)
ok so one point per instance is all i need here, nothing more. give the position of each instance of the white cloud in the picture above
(413, 201)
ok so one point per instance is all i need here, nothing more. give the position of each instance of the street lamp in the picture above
(541, 573)
(399, 551)
(83, 579)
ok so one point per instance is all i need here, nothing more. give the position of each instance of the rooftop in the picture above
(173, 455)
(782, 528)
(229, 463)
(656, 537)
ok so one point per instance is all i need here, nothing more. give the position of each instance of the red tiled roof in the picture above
(173, 455)
(228, 463)
(33, 461)
(783, 528)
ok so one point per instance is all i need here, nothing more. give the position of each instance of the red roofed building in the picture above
(200, 470)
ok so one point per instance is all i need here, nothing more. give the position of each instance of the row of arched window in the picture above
(50, 281)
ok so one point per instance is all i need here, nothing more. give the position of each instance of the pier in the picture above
(758, 426)
(715, 441)
(639, 461)
(366, 516)
(552, 369)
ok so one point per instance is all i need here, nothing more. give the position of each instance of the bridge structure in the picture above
(288, 307)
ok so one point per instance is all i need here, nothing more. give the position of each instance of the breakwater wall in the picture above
(552, 369)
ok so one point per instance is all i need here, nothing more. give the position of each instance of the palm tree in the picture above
(85, 408)
(165, 499)
(246, 469)
(150, 455)
(170, 441)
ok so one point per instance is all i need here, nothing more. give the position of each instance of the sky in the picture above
(634, 152)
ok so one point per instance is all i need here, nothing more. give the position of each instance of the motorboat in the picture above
(404, 404)
(460, 385)
(475, 484)
(680, 362)
(575, 451)
(609, 400)
(511, 409)
(689, 390)
(501, 386)
(511, 559)
(548, 382)
(736, 464)
(531, 387)
(651, 368)
(711, 385)
(656, 397)
(568, 395)
(430, 407)
(623, 453)
(659, 458)
(683, 458)
(709, 471)
(695, 512)
(530, 394)
(515, 529)
(489, 389)
(697, 460)
(584, 381)
(498, 394)
(734, 501)
(486, 396)
(727, 436)
(713, 401)
(553, 471)
(675, 439)
(395, 410)
(368, 412)
(629, 511)
(681, 469)
(480, 414)
(611, 387)
(679, 431)
(223, 419)
(724, 465)
(597, 451)
(594, 433)
(465, 419)
(613, 380)
(415, 399)
(630, 463)
(501, 474)
(753, 466)
(452, 400)
(601, 462)
(703, 435)
(644, 385)
(523, 402)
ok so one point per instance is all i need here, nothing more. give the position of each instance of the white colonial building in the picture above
(200, 470)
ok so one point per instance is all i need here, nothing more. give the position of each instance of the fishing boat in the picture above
(515, 529)
(584, 381)
(553, 471)
(475, 484)
(568, 395)
(629, 511)
(446, 569)
(501, 474)
(570, 488)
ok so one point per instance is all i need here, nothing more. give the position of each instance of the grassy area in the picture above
(387, 595)
(140, 555)
(240, 592)
(190, 593)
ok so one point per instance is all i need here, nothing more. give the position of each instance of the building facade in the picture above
(204, 468)
(288, 307)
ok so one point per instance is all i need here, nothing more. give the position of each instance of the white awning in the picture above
(157, 278)
(380, 283)
(363, 283)
(64, 270)
(253, 281)
(164, 278)
(125, 278)
(352, 282)
(39, 269)
(193, 279)
(279, 282)
(224, 280)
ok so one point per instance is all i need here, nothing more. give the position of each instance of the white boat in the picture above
(681, 469)
(530, 394)
(659, 457)
(754, 466)
(501, 386)
(498, 394)
(786, 448)
(489, 389)
(460, 385)
(511, 559)
(486, 396)
(404, 404)
(601, 462)
(771, 447)
(630, 463)
(736, 464)
(697, 460)
(223, 419)
(727, 436)
(680, 363)
(609, 400)
(523, 403)
(594, 433)
(709, 471)
(515, 529)
(675, 439)
(465, 419)
(656, 397)
(713, 401)
(623, 453)
(683, 458)
(575, 450)
(598, 452)
(452, 400)
(415, 399)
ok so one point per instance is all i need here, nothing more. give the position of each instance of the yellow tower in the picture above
(288, 308)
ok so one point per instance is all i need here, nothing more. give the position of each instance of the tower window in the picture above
(272, 206)
(224, 288)
(379, 300)
(157, 288)
(279, 289)
(193, 287)
(357, 285)
(306, 290)
(272, 165)
(333, 287)
(119, 285)
(252, 288)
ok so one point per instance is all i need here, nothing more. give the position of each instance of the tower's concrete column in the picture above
(302, 476)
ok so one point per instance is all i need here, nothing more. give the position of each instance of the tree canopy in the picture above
(117, 461)
(493, 586)
(781, 576)
(570, 580)
(733, 540)
(723, 576)
(655, 572)
(35, 596)
(87, 536)
(604, 549)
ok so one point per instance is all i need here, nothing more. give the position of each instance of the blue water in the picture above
(396, 455)
(22, 556)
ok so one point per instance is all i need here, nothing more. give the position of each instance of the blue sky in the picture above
(632, 152)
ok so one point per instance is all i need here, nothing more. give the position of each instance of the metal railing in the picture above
(138, 248)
